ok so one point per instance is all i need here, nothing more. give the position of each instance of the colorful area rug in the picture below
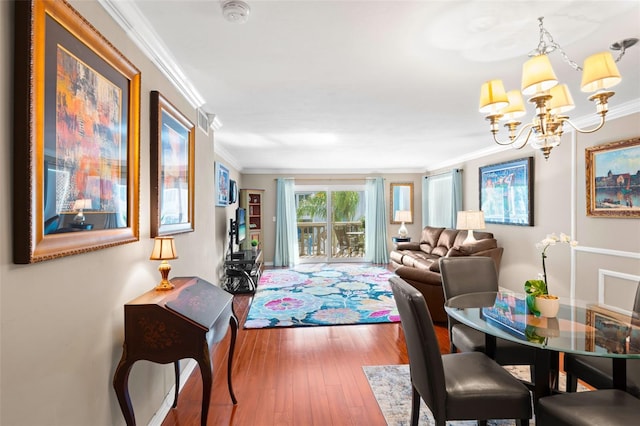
(323, 294)
(391, 385)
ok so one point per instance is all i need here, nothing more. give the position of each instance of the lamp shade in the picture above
(470, 219)
(164, 248)
(403, 216)
(538, 75)
(599, 72)
(561, 100)
(515, 109)
(493, 96)
(83, 203)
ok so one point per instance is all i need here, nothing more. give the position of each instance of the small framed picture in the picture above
(222, 185)
(506, 192)
(611, 331)
(613, 180)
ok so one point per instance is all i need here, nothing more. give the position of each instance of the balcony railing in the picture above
(347, 239)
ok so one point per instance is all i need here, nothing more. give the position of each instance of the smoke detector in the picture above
(236, 11)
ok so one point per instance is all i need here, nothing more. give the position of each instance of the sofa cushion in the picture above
(429, 238)
(462, 235)
(469, 249)
(445, 242)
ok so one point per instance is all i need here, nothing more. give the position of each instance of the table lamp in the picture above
(80, 205)
(164, 249)
(469, 220)
(403, 216)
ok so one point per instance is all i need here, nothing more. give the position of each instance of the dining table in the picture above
(579, 327)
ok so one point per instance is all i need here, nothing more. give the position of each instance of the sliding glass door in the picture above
(330, 223)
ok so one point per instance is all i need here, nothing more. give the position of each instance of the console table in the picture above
(243, 270)
(167, 326)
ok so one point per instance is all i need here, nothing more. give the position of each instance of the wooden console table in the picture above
(167, 326)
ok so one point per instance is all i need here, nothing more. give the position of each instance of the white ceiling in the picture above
(349, 86)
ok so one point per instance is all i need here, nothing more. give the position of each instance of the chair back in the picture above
(425, 360)
(468, 274)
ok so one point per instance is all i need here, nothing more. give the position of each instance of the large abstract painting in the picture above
(76, 136)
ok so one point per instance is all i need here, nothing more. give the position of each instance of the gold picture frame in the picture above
(76, 136)
(613, 182)
(172, 169)
(401, 199)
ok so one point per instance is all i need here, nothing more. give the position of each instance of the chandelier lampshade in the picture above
(561, 100)
(515, 109)
(599, 72)
(538, 75)
(493, 96)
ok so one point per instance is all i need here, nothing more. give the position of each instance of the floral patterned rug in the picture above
(323, 294)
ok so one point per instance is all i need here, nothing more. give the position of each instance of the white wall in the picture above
(62, 320)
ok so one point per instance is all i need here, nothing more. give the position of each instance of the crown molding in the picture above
(133, 22)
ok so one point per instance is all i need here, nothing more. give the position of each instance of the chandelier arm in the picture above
(595, 129)
(512, 140)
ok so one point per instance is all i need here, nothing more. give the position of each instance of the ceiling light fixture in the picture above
(552, 100)
(236, 11)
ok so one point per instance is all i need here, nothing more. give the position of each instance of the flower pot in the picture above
(548, 305)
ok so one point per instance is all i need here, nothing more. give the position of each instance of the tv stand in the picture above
(242, 274)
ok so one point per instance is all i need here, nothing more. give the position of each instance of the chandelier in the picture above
(551, 100)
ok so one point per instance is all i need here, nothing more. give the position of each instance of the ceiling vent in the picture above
(236, 11)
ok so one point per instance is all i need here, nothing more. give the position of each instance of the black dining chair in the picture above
(609, 407)
(598, 371)
(462, 275)
(461, 386)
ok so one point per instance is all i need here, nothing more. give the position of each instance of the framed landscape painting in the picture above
(172, 169)
(76, 136)
(506, 192)
(613, 179)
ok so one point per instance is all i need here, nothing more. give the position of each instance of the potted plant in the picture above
(254, 245)
(539, 301)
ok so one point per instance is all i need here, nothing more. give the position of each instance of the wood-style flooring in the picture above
(296, 376)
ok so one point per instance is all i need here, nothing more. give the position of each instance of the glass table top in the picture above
(579, 327)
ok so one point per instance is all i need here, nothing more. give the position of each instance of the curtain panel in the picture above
(286, 250)
(376, 222)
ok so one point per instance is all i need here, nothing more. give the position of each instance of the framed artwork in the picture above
(401, 202)
(76, 136)
(222, 185)
(613, 331)
(506, 192)
(613, 179)
(172, 169)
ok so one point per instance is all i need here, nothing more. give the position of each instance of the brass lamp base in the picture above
(164, 284)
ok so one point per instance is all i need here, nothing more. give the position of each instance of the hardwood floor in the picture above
(296, 376)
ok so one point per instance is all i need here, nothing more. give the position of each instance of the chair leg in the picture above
(572, 383)
(415, 407)
(482, 423)
(522, 422)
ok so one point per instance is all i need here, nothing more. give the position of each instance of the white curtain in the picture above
(442, 199)
(376, 222)
(286, 251)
